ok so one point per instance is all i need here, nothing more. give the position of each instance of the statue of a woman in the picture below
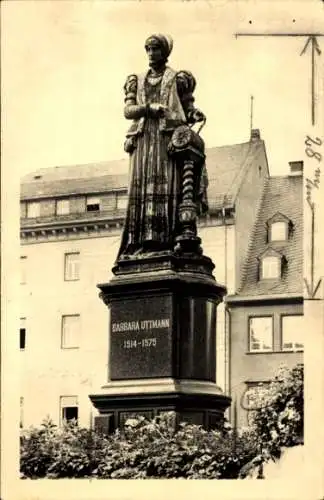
(158, 101)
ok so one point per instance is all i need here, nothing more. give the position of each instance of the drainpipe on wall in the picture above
(227, 315)
(225, 283)
(227, 352)
(225, 245)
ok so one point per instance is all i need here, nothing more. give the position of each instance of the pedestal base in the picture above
(196, 402)
(160, 262)
(162, 354)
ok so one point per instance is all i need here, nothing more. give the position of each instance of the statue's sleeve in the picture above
(132, 110)
(186, 85)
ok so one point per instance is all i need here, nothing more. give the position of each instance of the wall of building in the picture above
(47, 207)
(48, 371)
(108, 203)
(218, 243)
(77, 204)
(247, 367)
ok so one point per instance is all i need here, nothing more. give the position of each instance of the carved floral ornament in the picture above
(181, 136)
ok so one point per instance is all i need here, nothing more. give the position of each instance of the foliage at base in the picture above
(159, 449)
(146, 449)
(278, 419)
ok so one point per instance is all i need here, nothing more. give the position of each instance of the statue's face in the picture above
(155, 53)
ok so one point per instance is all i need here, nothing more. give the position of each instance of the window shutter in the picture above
(63, 207)
(33, 209)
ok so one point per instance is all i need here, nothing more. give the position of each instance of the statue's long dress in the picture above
(154, 188)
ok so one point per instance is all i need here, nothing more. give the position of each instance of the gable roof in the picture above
(278, 217)
(226, 166)
(283, 194)
(269, 252)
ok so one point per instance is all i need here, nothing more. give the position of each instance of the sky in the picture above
(64, 64)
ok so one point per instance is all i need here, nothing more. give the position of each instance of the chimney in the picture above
(255, 135)
(296, 168)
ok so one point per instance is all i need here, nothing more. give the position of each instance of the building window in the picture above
(279, 228)
(291, 333)
(62, 207)
(22, 333)
(33, 209)
(21, 412)
(70, 331)
(122, 200)
(93, 204)
(68, 408)
(23, 269)
(278, 231)
(271, 267)
(72, 266)
(261, 334)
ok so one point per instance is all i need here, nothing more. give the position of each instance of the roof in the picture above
(226, 166)
(75, 179)
(284, 195)
(82, 171)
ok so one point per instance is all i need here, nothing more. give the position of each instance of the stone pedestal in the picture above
(162, 353)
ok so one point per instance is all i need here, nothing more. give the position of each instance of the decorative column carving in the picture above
(188, 148)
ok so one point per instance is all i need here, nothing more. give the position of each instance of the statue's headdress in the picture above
(165, 41)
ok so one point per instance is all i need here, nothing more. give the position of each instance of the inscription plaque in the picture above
(140, 338)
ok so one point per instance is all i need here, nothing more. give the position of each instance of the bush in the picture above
(279, 417)
(55, 452)
(157, 449)
(36, 450)
(144, 450)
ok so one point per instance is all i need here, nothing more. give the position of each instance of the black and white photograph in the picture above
(162, 275)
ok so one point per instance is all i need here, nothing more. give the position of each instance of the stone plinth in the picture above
(162, 331)
(200, 403)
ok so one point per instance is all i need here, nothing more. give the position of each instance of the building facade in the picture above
(71, 219)
(266, 312)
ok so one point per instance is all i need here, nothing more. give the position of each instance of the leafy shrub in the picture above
(159, 449)
(156, 449)
(278, 419)
(36, 449)
(146, 449)
(55, 452)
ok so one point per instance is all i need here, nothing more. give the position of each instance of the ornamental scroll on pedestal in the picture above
(188, 148)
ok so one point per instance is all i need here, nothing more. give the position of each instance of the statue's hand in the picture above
(157, 110)
(198, 116)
